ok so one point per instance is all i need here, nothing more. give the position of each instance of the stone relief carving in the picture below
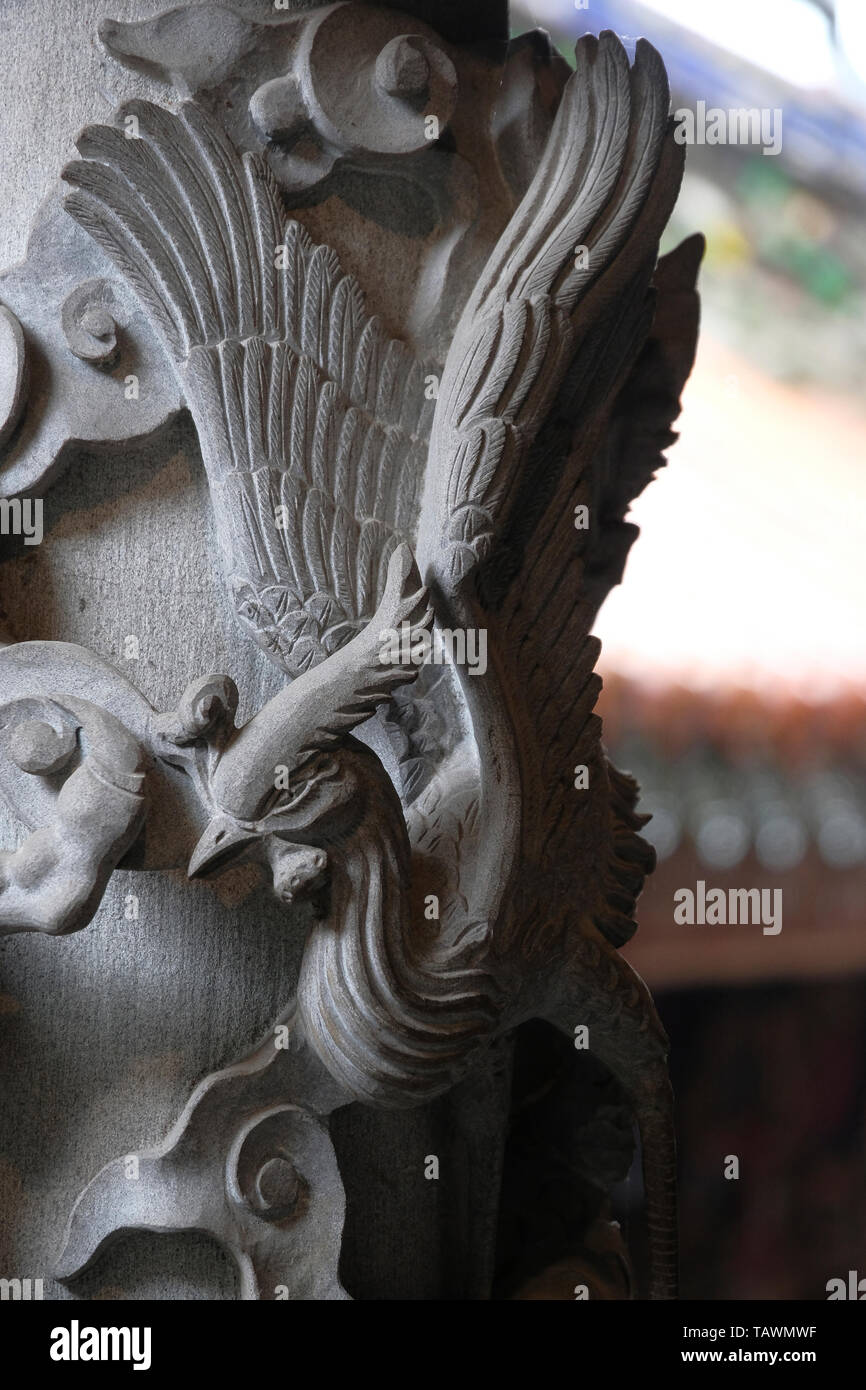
(380, 480)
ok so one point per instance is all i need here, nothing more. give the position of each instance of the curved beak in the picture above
(222, 841)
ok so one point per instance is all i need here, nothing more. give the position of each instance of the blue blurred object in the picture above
(824, 131)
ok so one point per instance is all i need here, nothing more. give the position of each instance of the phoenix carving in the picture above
(351, 499)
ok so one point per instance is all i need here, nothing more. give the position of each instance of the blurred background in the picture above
(734, 656)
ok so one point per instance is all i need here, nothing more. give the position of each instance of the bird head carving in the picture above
(292, 785)
(319, 807)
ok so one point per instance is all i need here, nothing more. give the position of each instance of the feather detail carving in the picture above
(313, 423)
(540, 311)
(558, 392)
(544, 356)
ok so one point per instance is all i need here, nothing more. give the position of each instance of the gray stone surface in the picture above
(115, 1027)
(523, 274)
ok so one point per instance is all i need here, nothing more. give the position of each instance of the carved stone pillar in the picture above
(331, 369)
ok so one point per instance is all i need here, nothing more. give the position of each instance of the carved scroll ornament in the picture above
(557, 345)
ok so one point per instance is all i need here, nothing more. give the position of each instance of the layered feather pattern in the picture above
(313, 422)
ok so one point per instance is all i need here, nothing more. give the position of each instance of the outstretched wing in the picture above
(564, 575)
(313, 422)
(526, 430)
(548, 311)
